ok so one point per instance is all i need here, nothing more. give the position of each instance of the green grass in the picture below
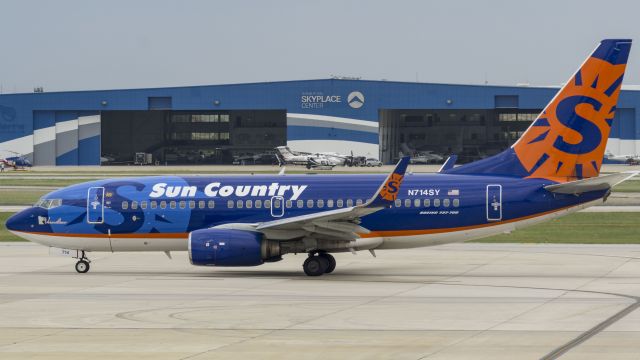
(579, 228)
(58, 181)
(20, 197)
(5, 235)
(628, 186)
(41, 182)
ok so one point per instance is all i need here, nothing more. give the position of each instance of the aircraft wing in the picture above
(591, 184)
(343, 223)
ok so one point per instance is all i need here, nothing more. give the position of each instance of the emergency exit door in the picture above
(494, 202)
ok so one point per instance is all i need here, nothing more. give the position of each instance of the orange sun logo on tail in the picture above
(567, 141)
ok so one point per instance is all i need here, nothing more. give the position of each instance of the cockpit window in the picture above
(48, 203)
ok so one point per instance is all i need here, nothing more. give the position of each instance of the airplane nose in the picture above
(12, 222)
(20, 221)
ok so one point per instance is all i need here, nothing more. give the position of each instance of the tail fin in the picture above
(568, 139)
(284, 152)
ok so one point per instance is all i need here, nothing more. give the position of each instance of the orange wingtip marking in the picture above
(390, 190)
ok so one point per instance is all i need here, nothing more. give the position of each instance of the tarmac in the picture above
(460, 301)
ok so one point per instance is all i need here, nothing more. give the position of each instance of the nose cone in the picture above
(26, 220)
(17, 221)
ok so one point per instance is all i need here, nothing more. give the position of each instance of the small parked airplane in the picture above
(610, 158)
(551, 171)
(420, 157)
(311, 161)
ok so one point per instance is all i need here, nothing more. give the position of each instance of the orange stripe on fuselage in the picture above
(117, 236)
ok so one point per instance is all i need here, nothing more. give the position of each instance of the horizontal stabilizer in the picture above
(591, 184)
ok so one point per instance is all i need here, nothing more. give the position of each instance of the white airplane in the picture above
(420, 157)
(610, 158)
(315, 161)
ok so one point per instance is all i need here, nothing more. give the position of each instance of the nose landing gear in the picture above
(82, 266)
(319, 263)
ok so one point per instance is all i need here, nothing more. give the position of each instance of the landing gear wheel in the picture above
(331, 262)
(315, 266)
(82, 266)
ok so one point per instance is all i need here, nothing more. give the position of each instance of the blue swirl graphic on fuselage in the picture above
(131, 220)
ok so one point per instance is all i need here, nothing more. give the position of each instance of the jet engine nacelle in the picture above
(224, 247)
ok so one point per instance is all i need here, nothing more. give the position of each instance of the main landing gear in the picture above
(319, 263)
(82, 266)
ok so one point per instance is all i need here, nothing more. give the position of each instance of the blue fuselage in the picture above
(174, 206)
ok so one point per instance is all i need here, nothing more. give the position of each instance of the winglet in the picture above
(389, 189)
(451, 160)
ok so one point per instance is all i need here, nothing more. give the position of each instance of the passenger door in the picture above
(95, 205)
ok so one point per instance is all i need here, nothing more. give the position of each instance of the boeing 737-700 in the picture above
(552, 170)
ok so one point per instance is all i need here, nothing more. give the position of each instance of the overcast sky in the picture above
(81, 44)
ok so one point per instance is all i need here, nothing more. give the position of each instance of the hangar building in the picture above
(215, 124)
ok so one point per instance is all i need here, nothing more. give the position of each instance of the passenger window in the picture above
(330, 203)
(163, 204)
(300, 204)
(154, 204)
(436, 202)
(239, 204)
(192, 204)
(134, 205)
(416, 203)
(143, 204)
(277, 203)
(201, 204)
(258, 204)
(456, 202)
(230, 204)
(289, 204)
(249, 204)
(359, 202)
(398, 203)
(310, 204)
(183, 204)
(445, 202)
(349, 202)
(212, 204)
(125, 205)
(426, 202)
(172, 204)
(267, 204)
(320, 203)
(407, 202)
